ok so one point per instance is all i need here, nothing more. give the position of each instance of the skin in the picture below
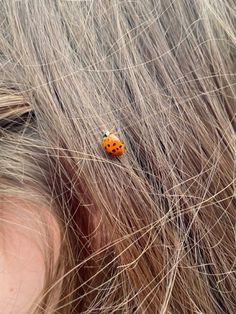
(22, 246)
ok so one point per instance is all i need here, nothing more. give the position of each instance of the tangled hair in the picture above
(154, 230)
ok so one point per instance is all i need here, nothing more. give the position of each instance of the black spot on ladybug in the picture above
(108, 145)
(114, 150)
(120, 146)
(114, 144)
(117, 148)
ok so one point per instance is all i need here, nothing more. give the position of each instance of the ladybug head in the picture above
(106, 134)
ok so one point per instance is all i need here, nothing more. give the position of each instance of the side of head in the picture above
(153, 230)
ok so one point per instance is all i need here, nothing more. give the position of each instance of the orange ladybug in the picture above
(112, 144)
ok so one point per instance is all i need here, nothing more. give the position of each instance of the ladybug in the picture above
(112, 144)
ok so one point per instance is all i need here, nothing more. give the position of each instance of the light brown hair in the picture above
(153, 231)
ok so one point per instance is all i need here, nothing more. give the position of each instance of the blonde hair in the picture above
(154, 230)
